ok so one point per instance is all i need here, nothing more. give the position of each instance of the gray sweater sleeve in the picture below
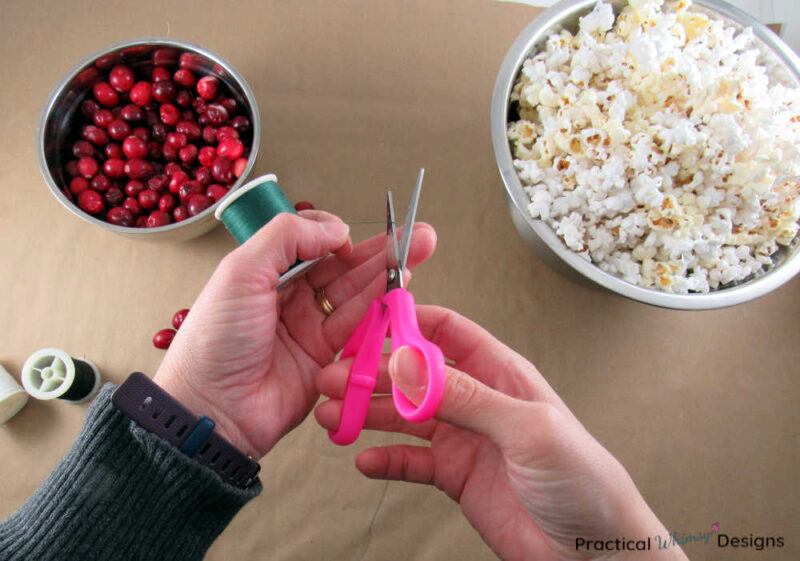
(122, 493)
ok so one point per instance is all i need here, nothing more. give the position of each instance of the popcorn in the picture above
(656, 146)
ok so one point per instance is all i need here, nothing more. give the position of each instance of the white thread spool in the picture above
(52, 373)
(12, 396)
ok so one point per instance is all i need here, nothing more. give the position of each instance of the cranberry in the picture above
(114, 150)
(203, 175)
(184, 77)
(103, 117)
(88, 167)
(120, 216)
(197, 204)
(188, 153)
(207, 87)
(203, 119)
(134, 147)
(158, 182)
(89, 107)
(215, 192)
(133, 206)
(114, 196)
(164, 91)
(142, 94)
(72, 168)
(154, 150)
(166, 202)
(148, 199)
(183, 98)
(107, 61)
(179, 318)
(190, 129)
(171, 168)
(121, 78)
(159, 132)
(191, 60)
(165, 56)
(169, 152)
(83, 148)
(160, 74)
(177, 139)
(105, 94)
(239, 166)
(100, 183)
(119, 130)
(163, 339)
(132, 113)
(118, 109)
(142, 133)
(210, 134)
(217, 114)
(188, 190)
(221, 169)
(78, 185)
(241, 123)
(158, 218)
(141, 222)
(199, 105)
(206, 155)
(114, 168)
(227, 132)
(151, 117)
(91, 202)
(230, 104)
(133, 188)
(178, 179)
(231, 148)
(136, 168)
(180, 213)
(303, 205)
(169, 114)
(95, 135)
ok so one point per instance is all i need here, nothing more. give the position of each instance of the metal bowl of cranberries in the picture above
(144, 138)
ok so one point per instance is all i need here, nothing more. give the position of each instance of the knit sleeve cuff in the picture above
(122, 493)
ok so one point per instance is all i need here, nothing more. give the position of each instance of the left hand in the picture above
(246, 355)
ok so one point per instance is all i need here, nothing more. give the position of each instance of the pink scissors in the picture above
(396, 308)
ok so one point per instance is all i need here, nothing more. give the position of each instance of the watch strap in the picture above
(152, 408)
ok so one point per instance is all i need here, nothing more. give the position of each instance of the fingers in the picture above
(381, 416)
(332, 379)
(400, 462)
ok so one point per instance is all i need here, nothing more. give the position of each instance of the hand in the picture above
(527, 474)
(246, 355)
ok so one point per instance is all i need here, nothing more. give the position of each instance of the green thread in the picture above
(246, 215)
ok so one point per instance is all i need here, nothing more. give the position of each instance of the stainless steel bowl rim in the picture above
(155, 41)
(520, 50)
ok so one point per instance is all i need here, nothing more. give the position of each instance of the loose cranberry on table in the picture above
(179, 317)
(163, 339)
(303, 205)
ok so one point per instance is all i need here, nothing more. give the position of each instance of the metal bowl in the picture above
(57, 124)
(783, 65)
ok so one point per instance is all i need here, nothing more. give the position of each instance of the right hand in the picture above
(527, 474)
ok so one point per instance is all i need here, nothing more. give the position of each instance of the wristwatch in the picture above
(152, 408)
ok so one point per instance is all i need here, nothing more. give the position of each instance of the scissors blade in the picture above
(394, 276)
(408, 227)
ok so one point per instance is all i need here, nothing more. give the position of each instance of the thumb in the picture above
(466, 403)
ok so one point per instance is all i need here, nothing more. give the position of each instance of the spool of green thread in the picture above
(253, 205)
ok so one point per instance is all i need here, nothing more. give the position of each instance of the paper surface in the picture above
(355, 97)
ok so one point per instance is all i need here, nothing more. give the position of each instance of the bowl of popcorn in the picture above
(654, 147)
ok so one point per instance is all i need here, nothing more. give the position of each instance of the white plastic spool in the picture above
(12, 396)
(50, 373)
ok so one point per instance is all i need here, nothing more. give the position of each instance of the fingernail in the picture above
(335, 229)
(408, 372)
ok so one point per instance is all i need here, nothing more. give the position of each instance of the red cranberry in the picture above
(121, 78)
(72, 168)
(165, 56)
(230, 104)
(159, 132)
(183, 98)
(210, 134)
(158, 182)
(95, 135)
(132, 113)
(141, 222)
(207, 87)
(142, 94)
(221, 169)
(203, 119)
(169, 114)
(91, 201)
(105, 94)
(190, 129)
(231, 148)
(178, 179)
(160, 74)
(114, 150)
(169, 152)
(227, 132)
(100, 183)
(119, 130)
(177, 140)
(164, 91)
(107, 61)
(197, 204)
(83, 148)
(166, 203)
(142, 133)
(217, 114)
(199, 105)
(179, 317)
(118, 109)
(303, 205)
(163, 339)
(239, 166)
(184, 77)
(114, 196)
(171, 168)
(191, 60)
(148, 199)
(188, 190)
(215, 192)
(241, 123)
(134, 147)
(103, 117)
(206, 155)
(89, 107)
(78, 185)
(203, 175)
(133, 188)
(136, 168)
(88, 167)
(120, 216)
(114, 168)
(133, 206)
(180, 213)
(158, 218)
(188, 153)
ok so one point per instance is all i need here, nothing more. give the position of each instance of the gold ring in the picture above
(327, 307)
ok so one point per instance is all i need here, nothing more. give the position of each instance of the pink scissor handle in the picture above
(405, 332)
(366, 344)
